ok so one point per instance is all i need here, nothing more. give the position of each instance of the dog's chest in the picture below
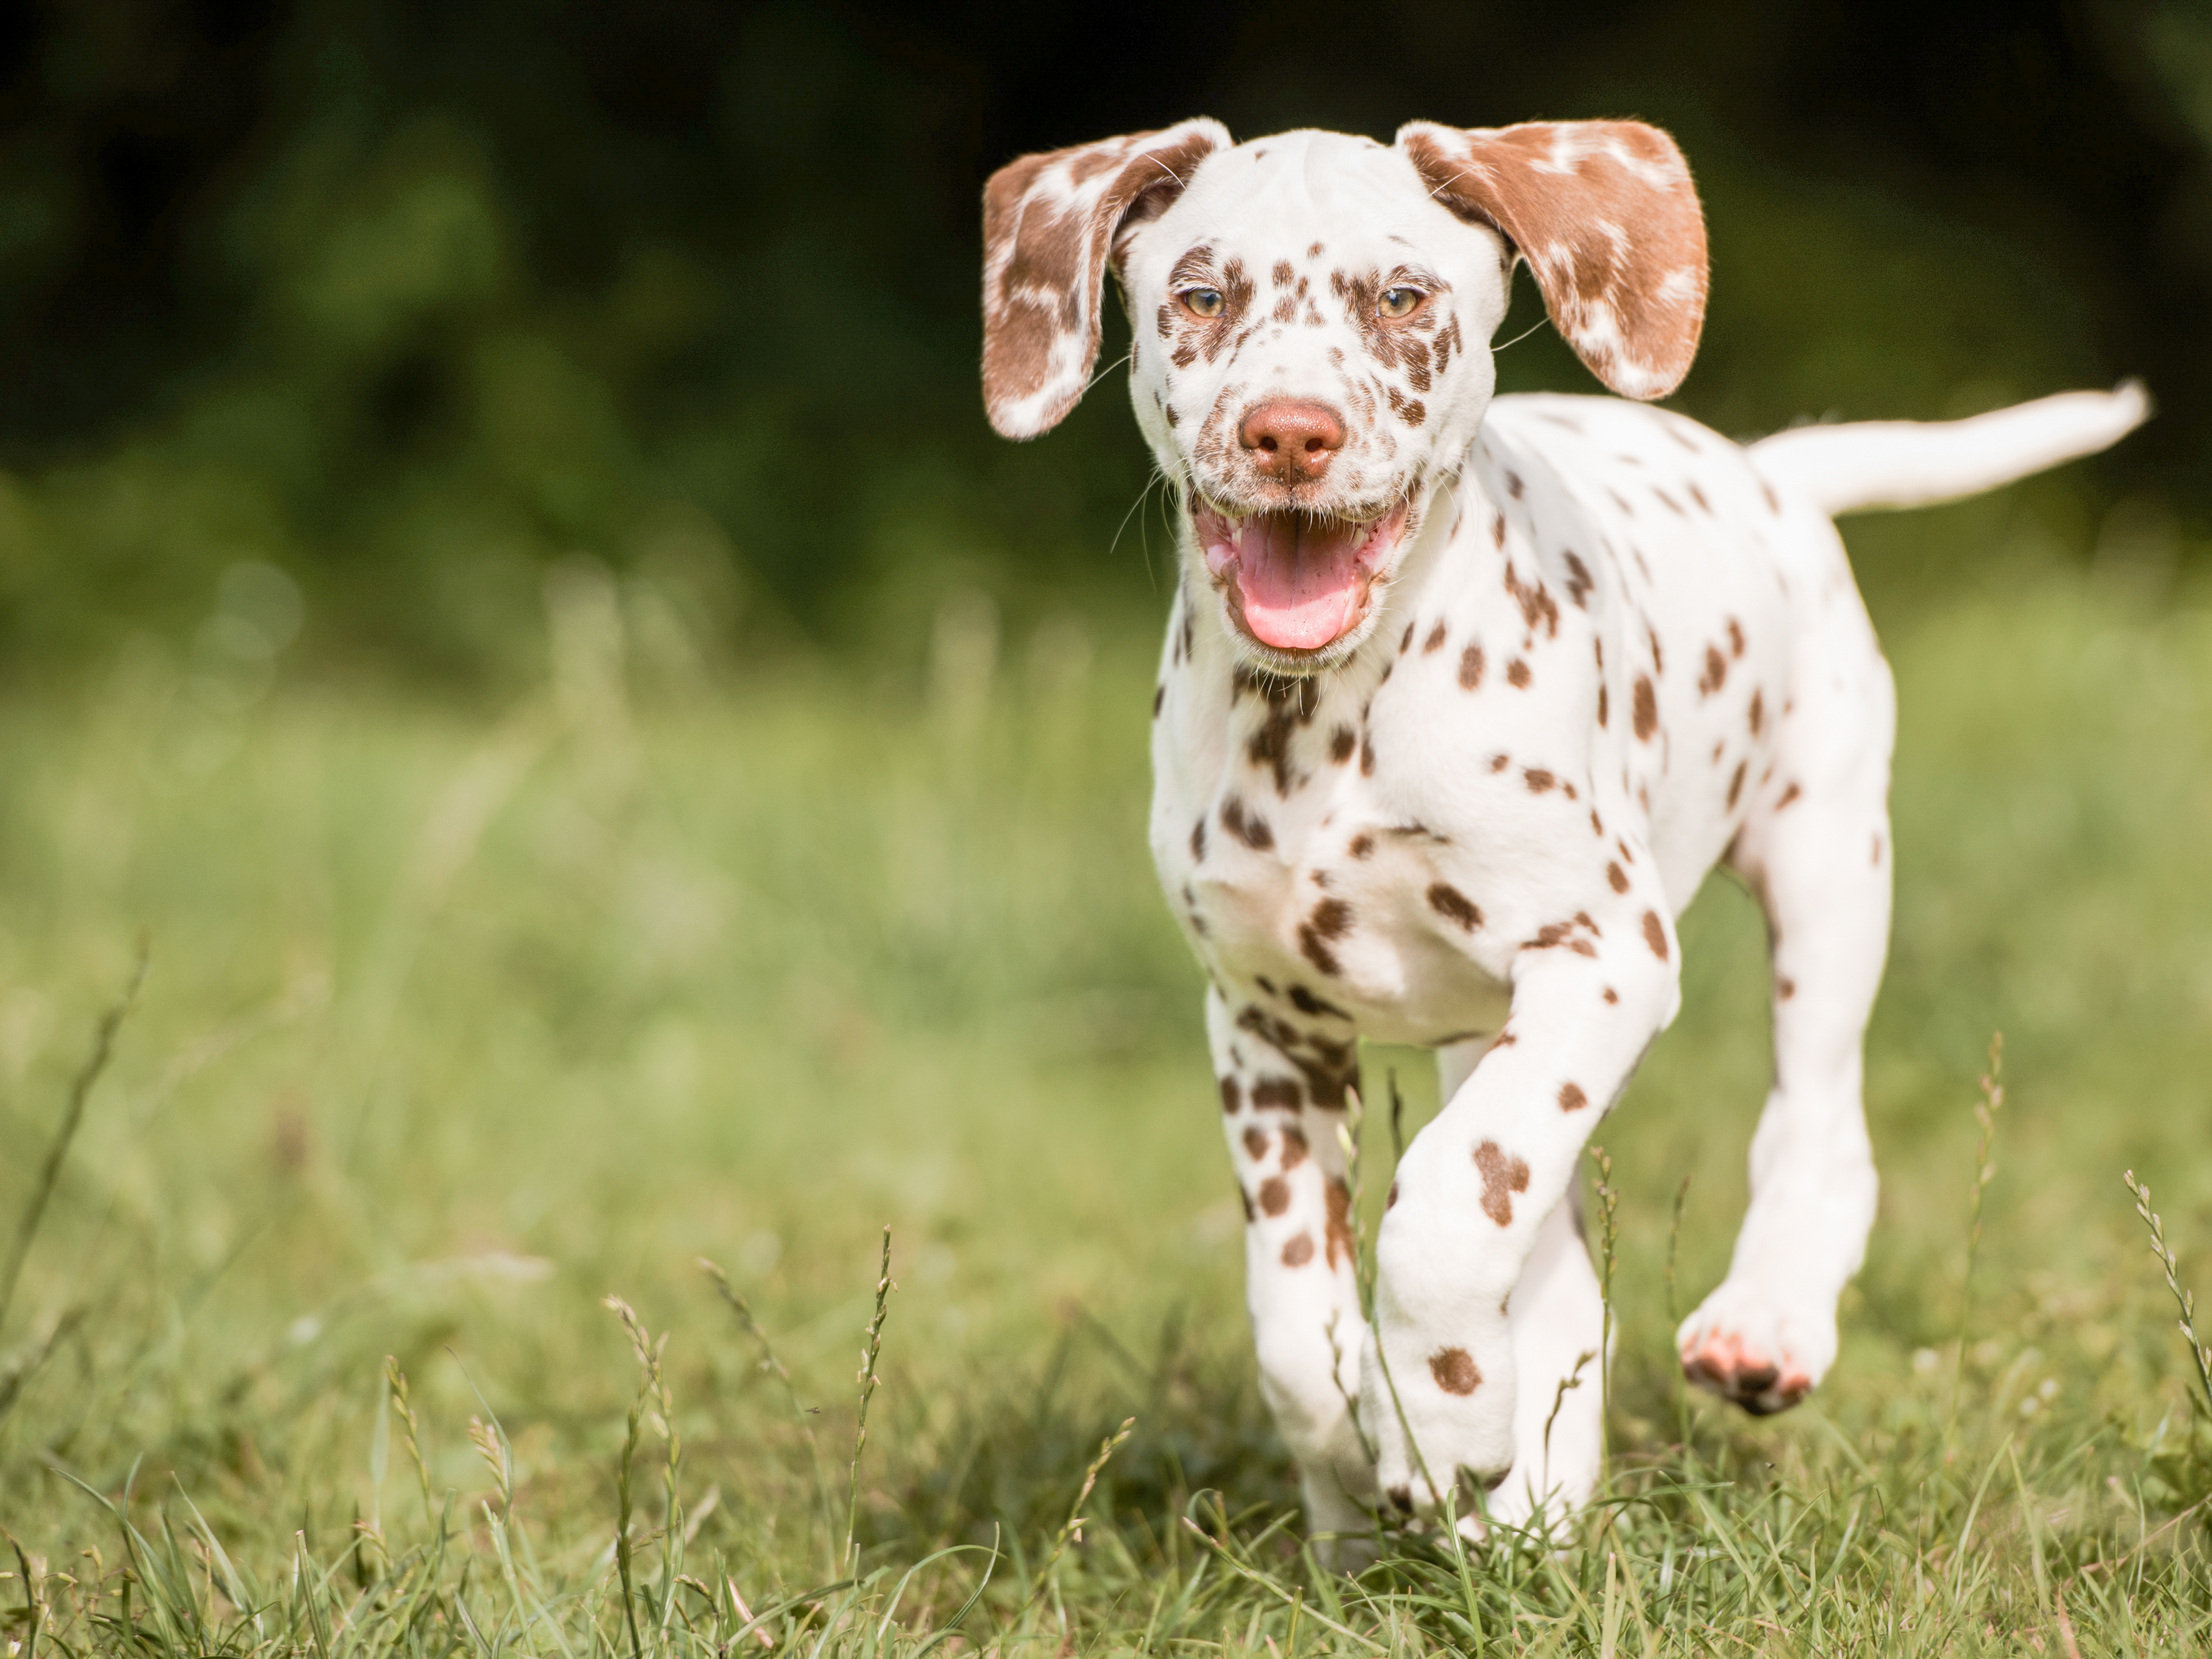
(1300, 866)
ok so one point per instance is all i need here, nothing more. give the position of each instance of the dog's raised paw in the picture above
(1752, 1353)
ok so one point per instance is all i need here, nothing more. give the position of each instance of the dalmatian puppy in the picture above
(1461, 697)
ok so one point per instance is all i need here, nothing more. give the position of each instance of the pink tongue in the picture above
(1300, 580)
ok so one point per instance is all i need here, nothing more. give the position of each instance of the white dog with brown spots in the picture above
(1461, 700)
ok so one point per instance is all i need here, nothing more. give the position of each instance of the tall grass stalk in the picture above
(50, 1171)
(1677, 1387)
(1985, 1170)
(1609, 1202)
(868, 1381)
(771, 1364)
(2200, 1354)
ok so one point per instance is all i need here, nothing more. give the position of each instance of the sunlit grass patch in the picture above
(458, 1022)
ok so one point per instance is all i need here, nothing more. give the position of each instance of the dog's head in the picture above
(1312, 315)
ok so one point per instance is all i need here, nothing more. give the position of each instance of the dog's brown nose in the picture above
(1292, 442)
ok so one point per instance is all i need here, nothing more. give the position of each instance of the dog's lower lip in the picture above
(1297, 582)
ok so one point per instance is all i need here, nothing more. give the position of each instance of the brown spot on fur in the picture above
(1361, 845)
(1499, 763)
(1435, 640)
(1447, 902)
(1502, 1176)
(1517, 675)
(1160, 696)
(1455, 1371)
(1785, 988)
(1571, 1098)
(1470, 668)
(1255, 1144)
(1315, 951)
(1603, 703)
(1536, 602)
(1290, 704)
(1295, 1148)
(1735, 637)
(1390, 1198)
(1513, 485)
(1756, 714)
(1366, 756)
(1716, 674)
(1299, 1251)
(1338, 1197)
(1274, 1196)
(1579, 580)
(1735, 783)
(1251, 1214)
(1538, 779)
(1251, 830)
(1618, 877)
(1341, 743)
(1646, 709)
(1406, 640)
(1698, 496)
(1307, 1003)
(1654, 934)
(1198, 842)
(1498, 530)
(1279, 1094)
(1331, 919)
(1787, 795)
(1612, 996)
(1232, 1097)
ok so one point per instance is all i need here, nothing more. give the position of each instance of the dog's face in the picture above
(1311, 332)
(1312, 315)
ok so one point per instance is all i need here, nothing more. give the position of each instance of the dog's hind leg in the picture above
(1815, 850)
(1281, 1118)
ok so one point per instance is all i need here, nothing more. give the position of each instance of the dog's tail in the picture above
(1872, 464)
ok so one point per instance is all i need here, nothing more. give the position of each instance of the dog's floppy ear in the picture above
(1049, 222)
(1606, 215)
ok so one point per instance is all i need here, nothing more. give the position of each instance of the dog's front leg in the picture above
(1281, 1115)
(1473, 1192)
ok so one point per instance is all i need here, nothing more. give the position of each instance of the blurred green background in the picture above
(413, 301)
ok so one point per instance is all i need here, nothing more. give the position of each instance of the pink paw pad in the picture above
(1742, 1372)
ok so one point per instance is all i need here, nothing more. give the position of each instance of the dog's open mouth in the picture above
(1297, 581)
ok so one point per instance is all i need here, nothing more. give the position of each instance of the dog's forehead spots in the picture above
(1309, 190)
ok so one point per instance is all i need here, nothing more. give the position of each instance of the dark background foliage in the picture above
(411, 300)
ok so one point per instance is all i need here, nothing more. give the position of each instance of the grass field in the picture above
(458, 1021)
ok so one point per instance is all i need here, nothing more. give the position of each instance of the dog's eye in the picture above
(1202, 302)
(1400, 302)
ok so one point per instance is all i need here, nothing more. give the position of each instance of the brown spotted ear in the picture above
(1606, 215)
(1049, 222)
